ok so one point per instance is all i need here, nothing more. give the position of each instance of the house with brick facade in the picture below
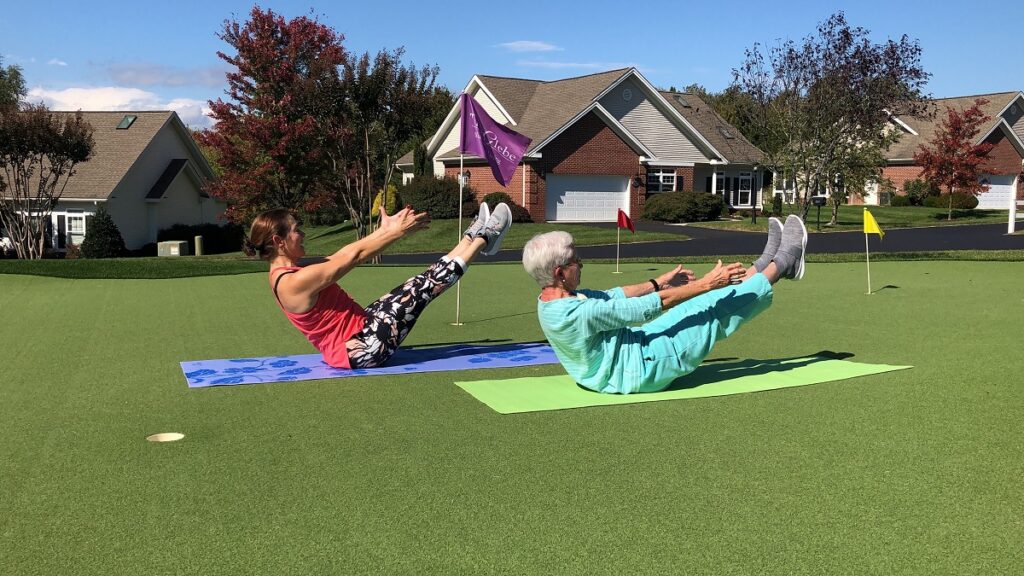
(1005, 130)
(601, 142)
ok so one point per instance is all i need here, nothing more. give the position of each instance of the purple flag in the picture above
(482, 136)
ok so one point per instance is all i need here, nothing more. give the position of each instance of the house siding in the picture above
(1016, 119)
(645, 121)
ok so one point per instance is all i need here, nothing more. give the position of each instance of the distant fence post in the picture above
(199, 245)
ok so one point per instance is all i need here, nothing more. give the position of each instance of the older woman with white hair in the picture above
(595, 333)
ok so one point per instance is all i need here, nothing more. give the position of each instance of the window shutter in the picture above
(707, 184)
(62, 232)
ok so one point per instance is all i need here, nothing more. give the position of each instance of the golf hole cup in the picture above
(165, 437)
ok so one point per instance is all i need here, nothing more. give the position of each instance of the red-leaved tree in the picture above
(952, 160)
(269, 137)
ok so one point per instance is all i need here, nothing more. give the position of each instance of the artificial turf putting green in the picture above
(916, 471)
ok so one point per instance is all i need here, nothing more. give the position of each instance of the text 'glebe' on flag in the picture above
(482, 136)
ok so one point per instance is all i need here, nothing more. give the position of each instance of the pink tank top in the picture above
(332, 320)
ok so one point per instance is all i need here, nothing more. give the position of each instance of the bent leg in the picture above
(678, 341)
(390, 318)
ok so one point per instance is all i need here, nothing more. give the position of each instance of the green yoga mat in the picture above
(721, 378)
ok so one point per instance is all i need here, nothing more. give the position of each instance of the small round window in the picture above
(627, 94)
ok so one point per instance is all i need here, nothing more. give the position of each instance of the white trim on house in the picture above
(1008, 132)
(655, 163)
(612, 123)
(659, 101)
(449, 120)
(1019, 96)
(901, 123)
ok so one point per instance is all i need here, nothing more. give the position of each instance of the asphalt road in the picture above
(711, 242)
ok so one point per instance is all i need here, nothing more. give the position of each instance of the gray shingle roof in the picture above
(722, 135)
(926, 127)
(540, 108)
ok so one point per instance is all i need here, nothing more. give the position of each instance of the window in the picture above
(745, 189)
(126, 122)
(661, 180)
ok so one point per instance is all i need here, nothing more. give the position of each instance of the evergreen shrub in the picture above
(102, 237)
(216, 239)
(684, 207)
(519, 214)
(961, 201)
(437, 196)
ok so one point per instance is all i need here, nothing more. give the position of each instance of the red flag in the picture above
(625, 222)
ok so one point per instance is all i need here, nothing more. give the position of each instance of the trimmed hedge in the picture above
(684, 207)
(960, 201)
(899, 200)
(519, 214)
(216, 239)
(437, 196)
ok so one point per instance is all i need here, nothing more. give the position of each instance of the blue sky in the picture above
(109, 55)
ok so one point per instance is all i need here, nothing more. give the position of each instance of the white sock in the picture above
(462, 263)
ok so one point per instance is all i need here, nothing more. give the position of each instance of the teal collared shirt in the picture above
(591, 336)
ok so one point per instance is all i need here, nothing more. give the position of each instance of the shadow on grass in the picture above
(964, 214)
(717, 371)
(887, 287)
(460, 342)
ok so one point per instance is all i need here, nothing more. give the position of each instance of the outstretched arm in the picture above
(677, 276)
(309, 281)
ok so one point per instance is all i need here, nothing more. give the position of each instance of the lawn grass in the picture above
(442, 235)
(852, 218)
(913, 472)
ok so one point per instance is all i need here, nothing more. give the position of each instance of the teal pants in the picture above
(675, 343)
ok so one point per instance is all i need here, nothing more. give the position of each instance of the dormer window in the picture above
(127, 122)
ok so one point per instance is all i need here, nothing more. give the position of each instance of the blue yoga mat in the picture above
(203, 373)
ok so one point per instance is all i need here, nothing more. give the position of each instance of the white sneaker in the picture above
(474, 229)
(495, 228)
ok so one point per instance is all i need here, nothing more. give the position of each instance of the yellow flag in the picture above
(870, 226)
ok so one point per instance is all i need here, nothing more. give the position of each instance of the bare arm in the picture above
(304, 286)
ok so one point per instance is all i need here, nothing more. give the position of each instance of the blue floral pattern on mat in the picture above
(203, 373)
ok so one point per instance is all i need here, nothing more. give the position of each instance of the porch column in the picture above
(714, 180)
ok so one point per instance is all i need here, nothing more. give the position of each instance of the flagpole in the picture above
(458, 283)
(867, 255)
(618, 232)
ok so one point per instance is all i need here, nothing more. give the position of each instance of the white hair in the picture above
(545, 252)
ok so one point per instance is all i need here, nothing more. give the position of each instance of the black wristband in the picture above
(655, 284)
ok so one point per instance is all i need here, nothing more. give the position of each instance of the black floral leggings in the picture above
(389, 319)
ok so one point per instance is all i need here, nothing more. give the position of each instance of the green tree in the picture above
(821, 106)
(39, 150)
(12, 86)
(380, 104)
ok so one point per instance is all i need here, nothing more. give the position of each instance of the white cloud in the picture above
(529, 46)
(159, 75)
(192, 112)
(56, 62)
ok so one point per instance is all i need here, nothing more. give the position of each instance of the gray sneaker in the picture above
(772, 246)
(790, 257)
(495, 228)
(474, 229)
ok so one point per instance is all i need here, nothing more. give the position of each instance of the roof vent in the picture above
(682, 101)
(725, 132)
(127, 122)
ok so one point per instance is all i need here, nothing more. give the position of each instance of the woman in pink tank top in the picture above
(347, 334)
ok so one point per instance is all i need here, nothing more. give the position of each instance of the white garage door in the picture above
(1000, 190)
(586, 198)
